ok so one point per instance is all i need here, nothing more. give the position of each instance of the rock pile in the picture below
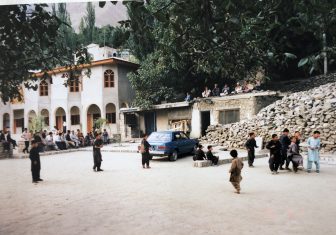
(304, 111)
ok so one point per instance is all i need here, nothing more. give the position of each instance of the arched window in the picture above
(43, 88)
(109, 78)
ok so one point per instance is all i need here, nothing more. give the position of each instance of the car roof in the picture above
(168, 132)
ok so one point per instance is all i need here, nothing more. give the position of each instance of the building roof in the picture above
(158, 106)
(113, 60)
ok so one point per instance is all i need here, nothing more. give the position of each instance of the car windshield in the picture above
(159, 137)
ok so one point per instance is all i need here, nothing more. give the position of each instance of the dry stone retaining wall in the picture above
(304, 111)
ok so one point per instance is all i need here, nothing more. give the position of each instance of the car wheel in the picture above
(173, 156)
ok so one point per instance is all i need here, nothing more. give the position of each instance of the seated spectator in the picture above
(2, 136)
(80, 137)
(87, 140)
(199, 153)
(10, 140)
(60, 142)
(238, 88)
(257, 86)
(50, 142)
(216, 91)
(75, 139)
(188, 97)
(106, 138)
(225, 90)
(69, 141)
(211, 157)
(246, 87)
(206, 93)
(3, 139)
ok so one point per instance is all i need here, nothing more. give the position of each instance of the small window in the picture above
(74, 86)
(75, 120)
(43, 88)
(229, 116)
(111, 118)
(109, 78)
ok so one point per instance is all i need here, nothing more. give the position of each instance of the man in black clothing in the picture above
(250, 145)
(35, 162)
(144, 150)
(200, 153)
(275, 153)
(97, 157)
(285, 142)
(211, 157)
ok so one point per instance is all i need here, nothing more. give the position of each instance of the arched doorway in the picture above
(6, 121)
(111, 113)
(60, 118)
(31, 120)
(75, 117)
(45, 116)
(93, 113)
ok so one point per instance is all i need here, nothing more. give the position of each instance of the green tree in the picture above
(90, 21)
(28, 38)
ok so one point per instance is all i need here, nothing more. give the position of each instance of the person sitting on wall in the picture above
(211, 157)
(238, 88)
(206, 93)
(199, 155)
(10, 140)
(246, 87)
(257, 86)
(188, 97)
(60, 142)
(225, 90)
(106, 138)
(74, 138)
(69, 142)
(50, 142)
(216, 91)
(88, 140)
(80, 137)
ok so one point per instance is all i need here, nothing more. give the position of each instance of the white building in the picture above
(80, 103)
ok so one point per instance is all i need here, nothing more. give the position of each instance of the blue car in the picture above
(171, 144)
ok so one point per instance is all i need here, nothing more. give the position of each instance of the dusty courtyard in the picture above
(170, 198)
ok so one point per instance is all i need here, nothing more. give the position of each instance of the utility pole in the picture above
(325, 54)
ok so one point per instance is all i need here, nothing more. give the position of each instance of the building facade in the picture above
(79, 103)
(194, 117)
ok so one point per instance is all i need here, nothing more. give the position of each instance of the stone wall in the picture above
(305, 111)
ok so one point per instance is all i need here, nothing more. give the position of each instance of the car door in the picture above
(188, 143)
(178, 142)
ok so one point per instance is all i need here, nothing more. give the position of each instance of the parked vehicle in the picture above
(171, 144)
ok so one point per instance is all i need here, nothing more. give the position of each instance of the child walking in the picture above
(235, 171)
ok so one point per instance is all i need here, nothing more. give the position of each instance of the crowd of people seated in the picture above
(53, 140)
(246, 87)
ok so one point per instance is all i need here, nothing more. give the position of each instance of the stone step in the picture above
(206, 163)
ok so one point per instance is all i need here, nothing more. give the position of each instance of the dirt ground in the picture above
(170, 198)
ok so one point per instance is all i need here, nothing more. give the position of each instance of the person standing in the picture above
(293, 153)
(235, 170)
(26, 136)
(285, 142)
(35, 162)
(144, 150)
(97, 157)
(275, 153)
(250, 145)
(314, 144)
(106, 137)
(211, 157)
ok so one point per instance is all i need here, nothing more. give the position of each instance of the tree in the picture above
(187, 44)
(28, 38)
(90, 20)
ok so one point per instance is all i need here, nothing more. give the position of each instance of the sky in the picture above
(110, 14)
